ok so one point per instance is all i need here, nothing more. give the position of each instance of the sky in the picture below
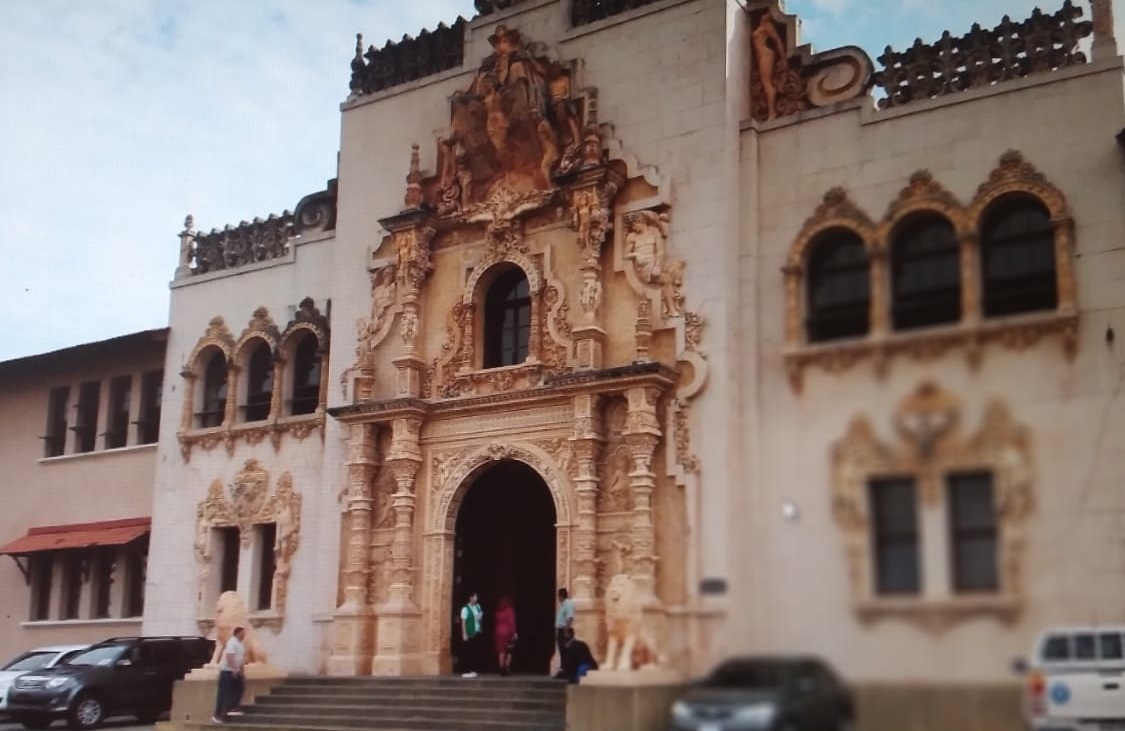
(122, 116)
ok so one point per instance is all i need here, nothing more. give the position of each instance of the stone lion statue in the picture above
(231, 612)
(631, 645)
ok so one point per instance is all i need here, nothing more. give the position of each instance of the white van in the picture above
(1076, 680)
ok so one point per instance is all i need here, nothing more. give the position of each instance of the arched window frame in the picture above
(833, 238)
(217, 337)
(261, 328)
(1013, 177)
(511, 278)
(923, 196)
(294, 338)
(246, 353)
(835, 212)
(899, 237)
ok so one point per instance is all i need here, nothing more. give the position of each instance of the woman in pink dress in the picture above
(505, 633)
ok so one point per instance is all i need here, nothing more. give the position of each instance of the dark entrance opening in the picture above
(505, 547)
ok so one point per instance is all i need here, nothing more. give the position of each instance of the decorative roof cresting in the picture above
(981, 58)
(407, 60)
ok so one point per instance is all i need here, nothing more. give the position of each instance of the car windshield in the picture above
(30, 661)
(104, 655)
(751, 675)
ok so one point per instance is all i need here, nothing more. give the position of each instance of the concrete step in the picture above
(464, 699)
(435, 714)
(398, 724)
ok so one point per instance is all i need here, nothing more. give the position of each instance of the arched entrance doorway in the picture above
(504, 546)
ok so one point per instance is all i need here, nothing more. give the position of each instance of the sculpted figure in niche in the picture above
(631, 645)
(615, 497)
(646, 232)
(231, 612)
(671, 287)
(384, 501)
(768, 48)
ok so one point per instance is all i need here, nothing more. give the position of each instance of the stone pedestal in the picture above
(607, 700)
(589, 347)
(193, 698)
(397, 629)
(351, 645)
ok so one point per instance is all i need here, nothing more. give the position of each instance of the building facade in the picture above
(805, 355)
(79, 440)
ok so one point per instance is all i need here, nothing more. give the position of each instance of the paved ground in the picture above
(113, 724)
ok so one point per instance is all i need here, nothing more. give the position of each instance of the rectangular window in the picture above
(136, 572)
(148, 425)
(267, 563)
(117, 428)
(41, 569)
(895, 535)
(973, 534)
(71, 585)
(101, 582)
(86, 422)
(54, 443)
(228, 575)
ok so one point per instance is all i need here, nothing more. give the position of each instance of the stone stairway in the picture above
(442, 703)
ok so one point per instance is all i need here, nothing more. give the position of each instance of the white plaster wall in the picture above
(1065, 126)
(171, 605)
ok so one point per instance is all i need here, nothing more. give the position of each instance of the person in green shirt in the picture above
(471, 617)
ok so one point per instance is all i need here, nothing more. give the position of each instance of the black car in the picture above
(766, 694)
(122, 675)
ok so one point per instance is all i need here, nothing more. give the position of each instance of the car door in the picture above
(167, 659)
(817, 699)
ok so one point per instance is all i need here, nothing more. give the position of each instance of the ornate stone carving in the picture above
(260, 240)
(1013, 176)
(316, 212)
(981, 58)
(786, 78)
(631, 644)
(383, 492)
(250, 503)
(261, 326)
(231, 612)
(407, 60)
(513, 129)
(308, 318)
(933, 446)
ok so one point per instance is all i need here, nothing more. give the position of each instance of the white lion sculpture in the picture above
(231, 612)
(631, 645)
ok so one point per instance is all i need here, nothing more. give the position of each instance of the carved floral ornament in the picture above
(1013, 176)
(260, 328)
(931, 444)
(247, 502)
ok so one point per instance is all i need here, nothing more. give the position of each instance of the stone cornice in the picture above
(606, 380)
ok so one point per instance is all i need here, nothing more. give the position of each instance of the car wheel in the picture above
(87, 712)
(35, 723)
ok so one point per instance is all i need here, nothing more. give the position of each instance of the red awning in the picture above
(78, 535)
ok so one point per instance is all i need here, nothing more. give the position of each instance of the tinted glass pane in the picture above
(926, 266)
(1084, 648)
(507, 307)
(973, 534)
(1018, 259)
(1057, 647)
(1109, 646)
(895, 528)
(839, 288)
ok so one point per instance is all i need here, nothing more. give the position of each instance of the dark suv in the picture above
(121, 675)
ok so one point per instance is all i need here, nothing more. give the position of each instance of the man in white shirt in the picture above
(564, 620)
(232, 681)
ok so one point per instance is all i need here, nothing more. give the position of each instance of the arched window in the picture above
(259, 383)
(1017, 255)
(306, 376)
(926, 274)
(214, 401)
(839, 287)
(507, 320)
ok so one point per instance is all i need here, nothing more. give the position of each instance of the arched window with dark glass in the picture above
(926, 273)
(259, 383)
(839, 287)
(306, 376)
(1017, 256)
(214, 401)
(507, 320)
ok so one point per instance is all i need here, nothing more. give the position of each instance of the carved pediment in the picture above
(513, 130)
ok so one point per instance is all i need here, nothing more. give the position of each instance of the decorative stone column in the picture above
(187, 240)
(642, 434)
(586, 445)
(411, 235)
(353, 625)
(398, 621)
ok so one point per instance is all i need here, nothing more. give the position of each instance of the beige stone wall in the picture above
(73, 488)
(795, 577)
